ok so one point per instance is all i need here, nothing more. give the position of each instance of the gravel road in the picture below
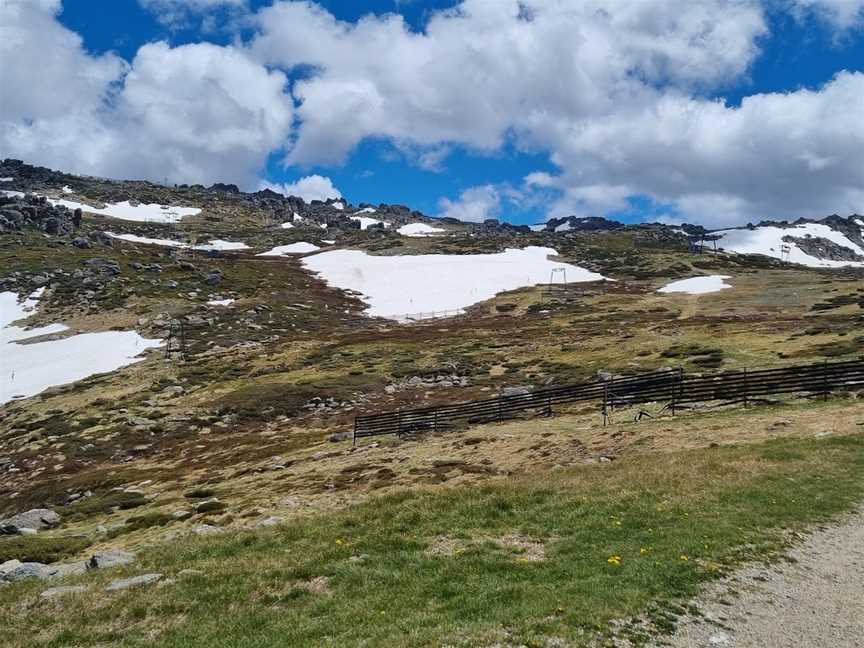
(816, 600)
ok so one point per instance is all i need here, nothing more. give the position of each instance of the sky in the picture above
(718, 112)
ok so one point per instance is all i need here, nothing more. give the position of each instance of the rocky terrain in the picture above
(241, 420)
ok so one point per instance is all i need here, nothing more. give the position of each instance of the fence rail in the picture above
(674, 387)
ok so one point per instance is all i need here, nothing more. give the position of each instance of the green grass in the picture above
(40, 548)
(676, 520)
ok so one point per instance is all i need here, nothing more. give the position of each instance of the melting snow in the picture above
(286, 225)
(395, 286)
(220, 302)
(338, 205)
(769, 241)
(419, 229)
(28, 369)
(9, 192)
(132, 238)
(365, 210)
(295, 248)
(217, 244)
(145, 213)
(697, 285)
(365, 221)
(564, 227)
(67, 189)
(6, 179)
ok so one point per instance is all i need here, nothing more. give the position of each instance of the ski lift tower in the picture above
(562, 272)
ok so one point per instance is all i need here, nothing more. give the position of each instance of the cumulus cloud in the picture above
(195, 113)
(610, 90)
(312, 187)
(478, 70)
(474, 205)
(613, 92)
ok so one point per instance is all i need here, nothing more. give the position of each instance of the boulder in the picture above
(81, 242)
(27, 570)
(37, 519)
(110, 558)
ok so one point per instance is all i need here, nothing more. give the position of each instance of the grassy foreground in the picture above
(533, 559)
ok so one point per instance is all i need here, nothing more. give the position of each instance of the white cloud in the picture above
(45, 72)
(474, 205)
(177, 14)
(612, 91)
(312, 187)
(195, 113)
(481, 69)
(842, 14)
(776, 156)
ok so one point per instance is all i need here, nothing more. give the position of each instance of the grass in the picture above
(39, 548)
(617, 540)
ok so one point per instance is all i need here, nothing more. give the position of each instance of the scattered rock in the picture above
(37, 519)
(187, 573)
(206, 529)
(339, 436)
(111, 558)
(134, 581)
(210, 506)
(63, 590)
(271, 521)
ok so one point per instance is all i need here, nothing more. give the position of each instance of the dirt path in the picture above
(815, 600)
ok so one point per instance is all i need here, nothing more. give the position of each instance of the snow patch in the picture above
(395, 286)
(67, 189)
(142, 213)
(769, 242)
(697, 285)
(564, 227)
(9, 192)
(132, 238)
(294, 248)
(221, 302)
(366, 210)
(217, 244)
(6, 179)
(419, 229)
(365, 221)
(286, 225)
(337, 205)
(28, 369)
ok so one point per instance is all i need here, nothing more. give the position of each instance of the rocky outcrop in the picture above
(35, 212)
(31, 521)
(822, 248)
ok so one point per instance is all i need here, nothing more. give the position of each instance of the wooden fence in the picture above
(673, 387)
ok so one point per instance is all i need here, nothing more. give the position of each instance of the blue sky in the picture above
(543, 149)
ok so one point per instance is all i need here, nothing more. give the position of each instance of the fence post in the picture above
(605, 399)
(746, 388)
(549, 405)
(825, 382)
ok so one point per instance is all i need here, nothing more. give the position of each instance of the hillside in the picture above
(187, 361)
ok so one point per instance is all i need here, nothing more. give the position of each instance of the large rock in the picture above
(37, 519)
(110, 558)
(26, 571)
